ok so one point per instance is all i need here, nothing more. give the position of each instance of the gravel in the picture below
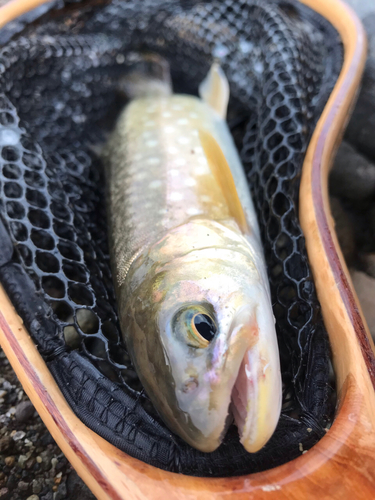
(352, 180)
(32, 466)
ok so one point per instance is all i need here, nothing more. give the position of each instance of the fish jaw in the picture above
(257, 392)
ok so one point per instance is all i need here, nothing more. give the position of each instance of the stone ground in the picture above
(352, 181)
(32, 466)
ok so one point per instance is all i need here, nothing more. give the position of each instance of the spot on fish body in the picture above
(175, 196)
(155, 184)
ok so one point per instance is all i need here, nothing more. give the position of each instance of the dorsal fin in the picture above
(223, 175)
(214, 90)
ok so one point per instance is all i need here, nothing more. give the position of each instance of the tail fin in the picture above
(148, 76)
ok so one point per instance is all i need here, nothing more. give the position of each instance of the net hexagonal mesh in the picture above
(59, 81)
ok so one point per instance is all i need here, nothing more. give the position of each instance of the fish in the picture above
(190, 277)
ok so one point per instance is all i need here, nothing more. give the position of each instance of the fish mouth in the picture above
(254, 403)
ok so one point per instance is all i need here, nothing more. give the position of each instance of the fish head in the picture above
(200, 331)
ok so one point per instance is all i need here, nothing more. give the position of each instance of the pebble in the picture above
(9, 461)
(22, 459)
(77, 489)
(37, 485)
(23, 486)
(352, 176)
(4, 493)
(61, 492)
(30, 463)
(344, 229)
(361, 7)
(365, 287)
(5, 443)
(7, 385)
(18, 435)
(72, 337)
(24, 411)
(11, 411)
(58, 478)
(367, 263)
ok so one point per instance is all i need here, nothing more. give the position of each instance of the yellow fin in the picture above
(223, 175)
(214, 90)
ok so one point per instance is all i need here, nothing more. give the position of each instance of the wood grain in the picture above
(341, 465)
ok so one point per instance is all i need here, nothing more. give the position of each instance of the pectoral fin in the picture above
(223, 175)
(214, 90)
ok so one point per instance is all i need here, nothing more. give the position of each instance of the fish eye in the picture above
(204, 326)
(195, 326)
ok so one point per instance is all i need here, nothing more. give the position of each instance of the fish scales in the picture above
(159, 176)
(190, 278)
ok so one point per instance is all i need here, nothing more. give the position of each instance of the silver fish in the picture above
(191, 282)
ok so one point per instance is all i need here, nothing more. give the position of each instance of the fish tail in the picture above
(148, 76)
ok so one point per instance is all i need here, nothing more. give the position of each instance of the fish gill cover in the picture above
(58, 98)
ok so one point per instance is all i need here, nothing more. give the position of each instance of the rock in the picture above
(23, 486)
(360, 131)
(58, 478)
(60, 493)
(11, 411)
(365, 287)
(46, 460)
(37, 485)
(7, 385)
(5, 444)
(344, 229)
(12, 482)
(77, 489)
(4, 494)
(72, 337)
(369, 24)
(10, 461)
(46, 440)
(352, 176)
(24, 411)
(48, 496)
(87, 321)
(33, 497)
(18, 435)
(30, 463)
(22, 459)
(362, 7)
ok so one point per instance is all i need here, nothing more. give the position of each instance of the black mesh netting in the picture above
(58, 82)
